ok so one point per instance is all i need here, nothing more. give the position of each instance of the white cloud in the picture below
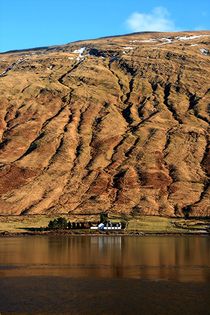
(157, 20)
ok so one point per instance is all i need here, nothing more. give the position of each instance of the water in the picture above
(105, 275)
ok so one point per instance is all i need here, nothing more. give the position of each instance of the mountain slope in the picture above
(115, 124)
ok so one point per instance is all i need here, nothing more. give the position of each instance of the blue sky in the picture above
(34, 23)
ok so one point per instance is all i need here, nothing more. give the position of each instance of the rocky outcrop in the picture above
(116, 124)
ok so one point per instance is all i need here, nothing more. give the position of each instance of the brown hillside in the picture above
(120, 125)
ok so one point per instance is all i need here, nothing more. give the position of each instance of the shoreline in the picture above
(4, 234)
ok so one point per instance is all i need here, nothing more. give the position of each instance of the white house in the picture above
(107, 226)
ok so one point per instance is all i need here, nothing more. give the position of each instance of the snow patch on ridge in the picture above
(128, 48)
(190, 37)
(204, 51)
(169, 40)
(80, 51)
(166, 40)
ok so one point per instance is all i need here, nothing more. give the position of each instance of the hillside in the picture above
(116, 124)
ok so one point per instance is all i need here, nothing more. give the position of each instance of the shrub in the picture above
(103, 217)
(123, 224)
(186, 212)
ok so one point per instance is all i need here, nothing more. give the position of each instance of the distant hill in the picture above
(117, 124)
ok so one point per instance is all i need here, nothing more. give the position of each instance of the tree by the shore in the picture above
(58, 224)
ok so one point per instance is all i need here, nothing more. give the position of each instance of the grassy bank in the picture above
(168, 225)
(137, 224)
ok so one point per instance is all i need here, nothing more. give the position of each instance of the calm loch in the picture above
(105, 275)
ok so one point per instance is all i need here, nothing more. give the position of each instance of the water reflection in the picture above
(154, 258)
